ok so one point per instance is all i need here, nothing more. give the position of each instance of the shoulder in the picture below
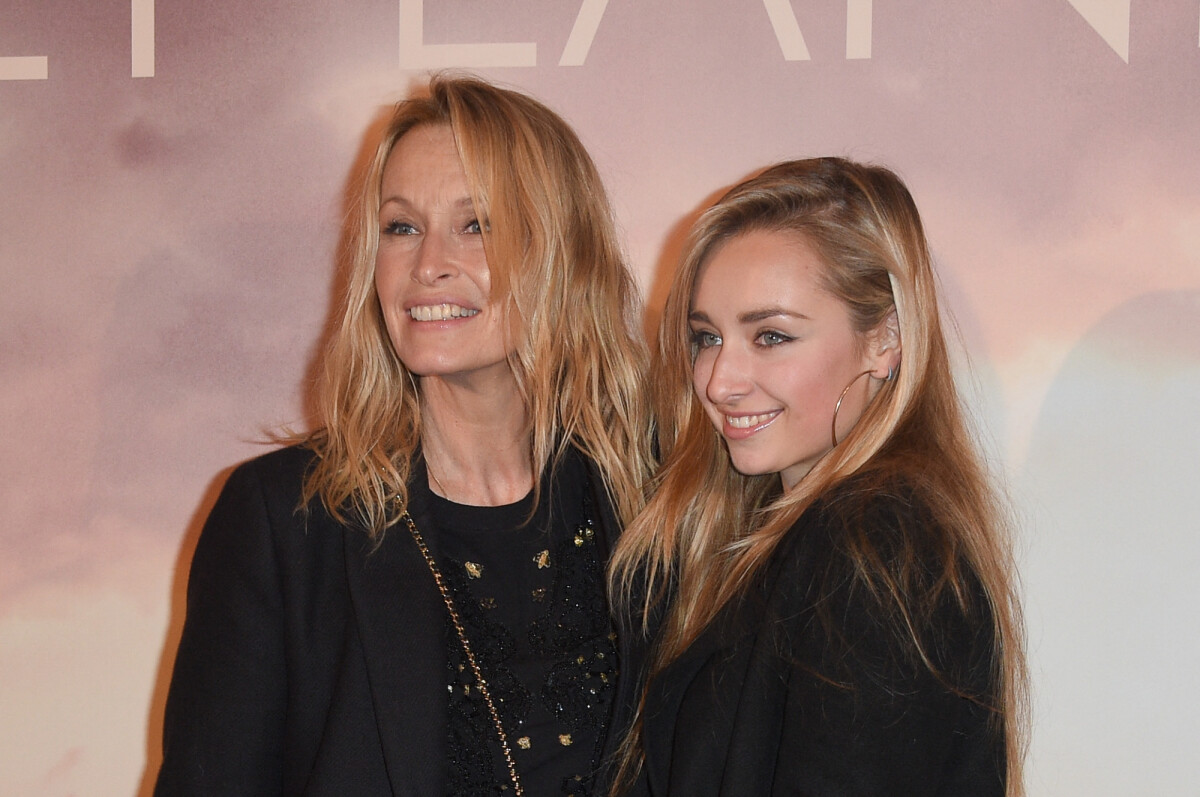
(863, 528)
(279, 469)
(870, 560)
(275, 478)
(261, 504)
(890, 510)
(833, 531)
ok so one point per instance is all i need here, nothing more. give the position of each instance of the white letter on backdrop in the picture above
(858, 28)
(415, 54)
(141, 37)
(582, 33)
(787, 30)
(1109, 18)
(24, 67)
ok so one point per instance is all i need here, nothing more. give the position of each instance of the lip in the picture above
(747, 423)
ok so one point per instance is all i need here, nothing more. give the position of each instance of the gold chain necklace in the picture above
(480, 683)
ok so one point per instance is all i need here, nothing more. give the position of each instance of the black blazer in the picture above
(768, 702)
(311, 663)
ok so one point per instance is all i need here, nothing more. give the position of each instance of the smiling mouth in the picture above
(440, 312)
(749, 421)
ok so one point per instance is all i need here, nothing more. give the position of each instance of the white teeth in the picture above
(748, 421)
(440, 312)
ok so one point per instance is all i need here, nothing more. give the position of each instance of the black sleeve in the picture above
(224, 725)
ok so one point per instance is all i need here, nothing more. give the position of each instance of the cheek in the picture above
(701, 376)
(387, 296)
(701, 371)
(814, 392)
(806, 387)
(819, 388)
(387, 270)
(473, 261)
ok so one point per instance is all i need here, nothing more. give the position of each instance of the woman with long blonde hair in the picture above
(823, 568)
(410, 600)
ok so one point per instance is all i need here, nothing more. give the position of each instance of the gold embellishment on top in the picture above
(456, 621)
(564, 739)
(539, 594)
(473, 570)
(542, 560)
(524, 743)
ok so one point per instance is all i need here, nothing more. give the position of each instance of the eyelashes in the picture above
(772, 337)
(398, 227)
(766, 339)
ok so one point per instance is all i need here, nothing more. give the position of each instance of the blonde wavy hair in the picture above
(557, 267)
(707, 528)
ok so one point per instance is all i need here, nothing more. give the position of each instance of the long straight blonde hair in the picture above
(707, 528)
(556, 265)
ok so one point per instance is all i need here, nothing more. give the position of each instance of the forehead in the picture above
(760, 266)
(425, 155)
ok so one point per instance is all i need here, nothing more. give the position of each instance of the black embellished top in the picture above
(530, 593)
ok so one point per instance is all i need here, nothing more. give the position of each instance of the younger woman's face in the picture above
(774, 351)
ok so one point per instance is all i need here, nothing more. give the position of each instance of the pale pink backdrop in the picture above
(166, 267)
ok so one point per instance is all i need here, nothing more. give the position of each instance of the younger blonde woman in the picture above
(823, 567)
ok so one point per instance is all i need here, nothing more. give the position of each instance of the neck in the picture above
(476, 442)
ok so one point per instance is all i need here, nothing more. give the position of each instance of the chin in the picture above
(750, 469)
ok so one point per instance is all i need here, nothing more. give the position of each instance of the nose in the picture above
(433, 260)
(729, 379)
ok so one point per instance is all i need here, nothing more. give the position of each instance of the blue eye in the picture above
(702, 339)
(771, 337)
(399, 228)
(473, 227)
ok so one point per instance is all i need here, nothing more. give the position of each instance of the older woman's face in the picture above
(774, 351)
(431, 274)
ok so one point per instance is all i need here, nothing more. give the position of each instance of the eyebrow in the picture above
(764, 313)
(462, 204)
(752, 316)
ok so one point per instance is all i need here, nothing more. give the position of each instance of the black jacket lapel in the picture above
(401, 620)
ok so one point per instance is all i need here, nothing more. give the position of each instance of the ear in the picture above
(884, 347)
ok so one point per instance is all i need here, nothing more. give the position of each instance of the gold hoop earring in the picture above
(838, 406)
